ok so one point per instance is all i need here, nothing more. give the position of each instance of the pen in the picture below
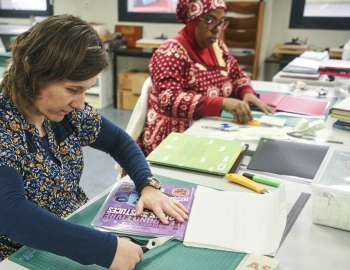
(222, 128)
(263, 180)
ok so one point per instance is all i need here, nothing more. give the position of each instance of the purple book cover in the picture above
(119, 215)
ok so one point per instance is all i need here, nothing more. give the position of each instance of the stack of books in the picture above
(335, 67)
(316, 56)
(301, 68)
(341, 111)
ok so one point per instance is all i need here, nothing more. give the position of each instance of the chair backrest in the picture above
(138, 117)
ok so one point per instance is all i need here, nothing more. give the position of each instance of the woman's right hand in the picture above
(127, 255)
(239, 109)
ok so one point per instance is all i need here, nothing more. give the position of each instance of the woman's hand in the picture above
(160, 204)
(127, 255)
(239, 109)
(252, 99)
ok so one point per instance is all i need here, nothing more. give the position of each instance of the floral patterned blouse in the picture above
(179, 82)
(53, 185)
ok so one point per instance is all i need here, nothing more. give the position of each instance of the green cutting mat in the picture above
(173, 255)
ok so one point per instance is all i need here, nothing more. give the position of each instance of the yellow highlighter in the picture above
(246, 182)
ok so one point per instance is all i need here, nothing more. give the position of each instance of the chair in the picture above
(138, 118)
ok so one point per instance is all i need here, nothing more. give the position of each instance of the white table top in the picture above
(308, 245)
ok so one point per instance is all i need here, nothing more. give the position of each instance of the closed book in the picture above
(118, 212)
(341, 108)
(341, 125)
(204, 154)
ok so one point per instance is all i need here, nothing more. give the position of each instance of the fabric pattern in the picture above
(178, 84)
(188, 10)
(51, 186)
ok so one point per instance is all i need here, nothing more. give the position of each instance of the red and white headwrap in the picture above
(188, 10)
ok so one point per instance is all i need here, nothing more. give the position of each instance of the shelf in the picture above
(244, 31)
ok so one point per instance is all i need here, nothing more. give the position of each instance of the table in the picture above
(308, 245)
(142, 53)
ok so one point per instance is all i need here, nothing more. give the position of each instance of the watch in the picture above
(153, 182)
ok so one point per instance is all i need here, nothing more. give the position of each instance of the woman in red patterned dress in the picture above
(194, 75)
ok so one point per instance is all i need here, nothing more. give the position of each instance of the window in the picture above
(25, 8)
(320, 14)
(147, 11)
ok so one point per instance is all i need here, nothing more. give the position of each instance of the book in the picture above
(341, 125)
(293, 104)
(342, 108)
(300, 75)
(210, 155)
(304, 66)
(288, 158)
(118, 212)
(237, 221)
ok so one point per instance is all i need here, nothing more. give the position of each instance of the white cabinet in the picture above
(101, 95)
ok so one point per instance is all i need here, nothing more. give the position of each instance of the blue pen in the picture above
(222, 128)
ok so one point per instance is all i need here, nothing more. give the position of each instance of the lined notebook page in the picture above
(237, 221)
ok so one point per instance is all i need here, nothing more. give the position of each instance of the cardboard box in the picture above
(331, 190)
(130, 33)
(126, 100)
(132, 81)
(137, 81)
(124, 80)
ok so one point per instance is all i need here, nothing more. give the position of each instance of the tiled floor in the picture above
(99, 172)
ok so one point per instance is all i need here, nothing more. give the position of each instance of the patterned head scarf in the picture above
(188, 10)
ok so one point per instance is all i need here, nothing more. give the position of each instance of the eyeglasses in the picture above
(221, 25)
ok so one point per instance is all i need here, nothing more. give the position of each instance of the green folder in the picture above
(173, 255)
(204, 154)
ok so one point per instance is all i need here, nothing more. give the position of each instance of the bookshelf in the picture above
(101, 95)
(243, 34)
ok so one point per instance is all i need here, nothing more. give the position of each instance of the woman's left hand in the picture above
(160, 204)
(252, 99)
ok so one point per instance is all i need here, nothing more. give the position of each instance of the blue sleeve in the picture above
(119, 145)
(30, 225)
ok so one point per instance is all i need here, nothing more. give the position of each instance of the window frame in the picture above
(297, 19)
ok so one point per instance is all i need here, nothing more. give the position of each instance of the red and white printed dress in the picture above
(180, 85)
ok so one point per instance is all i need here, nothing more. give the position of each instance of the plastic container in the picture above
(346, 51)
(331, 190)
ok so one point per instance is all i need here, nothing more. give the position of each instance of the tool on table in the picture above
(254, 122)
(307, 128)
(149, 244)
(311, 137)
(263, 180)
(223, 127)
(294, 213)
(246, 182)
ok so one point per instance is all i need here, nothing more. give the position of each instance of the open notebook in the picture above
(237, 221)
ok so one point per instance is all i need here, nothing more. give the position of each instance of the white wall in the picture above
(275, 30)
